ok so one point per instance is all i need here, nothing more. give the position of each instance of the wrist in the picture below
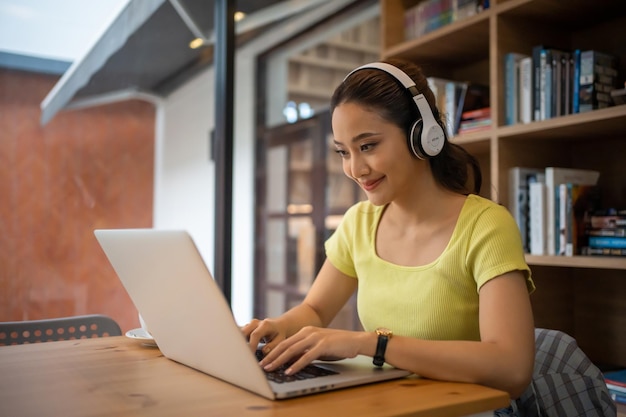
(383, 337)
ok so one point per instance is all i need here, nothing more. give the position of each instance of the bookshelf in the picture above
(584, 296)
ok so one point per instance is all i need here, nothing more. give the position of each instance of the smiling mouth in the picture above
(370, 185)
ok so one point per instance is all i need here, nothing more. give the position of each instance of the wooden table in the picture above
(117, 376)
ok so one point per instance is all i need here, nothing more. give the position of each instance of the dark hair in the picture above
(380, 92)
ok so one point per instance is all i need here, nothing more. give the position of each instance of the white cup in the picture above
(143, 324)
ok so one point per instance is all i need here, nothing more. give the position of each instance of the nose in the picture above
(357, 166)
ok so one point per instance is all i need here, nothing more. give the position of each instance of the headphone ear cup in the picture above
(415, 140)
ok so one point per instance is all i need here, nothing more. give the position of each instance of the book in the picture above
(618, 231)
(484, 112)
(450, 97)
(545, 84)
(536, 80)
(560, 82)
(617, 396)
(537, 215)
(598, 74)
(476, 97)
(618, 96)
(576, 81)
(616, 377)
(555, 176)
(561, 219)
(598, 221)
(525, 90)
(607, 242)
(518, 200)
(511, 86)
(587, 251)
(580, 200)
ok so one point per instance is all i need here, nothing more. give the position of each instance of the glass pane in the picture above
(275, 303)
(276, 188)
(302, 75)
(275, 252)
(341, 191)
(302, 257)
(300, 165)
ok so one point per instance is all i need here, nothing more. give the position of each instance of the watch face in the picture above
(383, 332)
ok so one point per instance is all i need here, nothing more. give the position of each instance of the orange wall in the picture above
(84, 170)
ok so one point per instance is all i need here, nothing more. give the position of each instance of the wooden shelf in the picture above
(572, 292)
(600, 262)
(597, 124)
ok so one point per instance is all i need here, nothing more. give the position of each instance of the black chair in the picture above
(63, 328)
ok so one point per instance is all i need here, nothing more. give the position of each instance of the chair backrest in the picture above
(565, 381)
(63, 328)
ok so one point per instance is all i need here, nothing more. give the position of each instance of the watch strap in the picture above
(381, 347)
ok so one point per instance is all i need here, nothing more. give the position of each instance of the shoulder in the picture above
(483, 209)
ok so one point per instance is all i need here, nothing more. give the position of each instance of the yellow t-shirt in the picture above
(438, 301)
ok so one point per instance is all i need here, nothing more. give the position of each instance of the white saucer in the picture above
(141, 335)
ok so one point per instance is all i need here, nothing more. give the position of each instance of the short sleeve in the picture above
(495, 247)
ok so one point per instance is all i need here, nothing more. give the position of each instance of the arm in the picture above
(329, 292)
(503, 359)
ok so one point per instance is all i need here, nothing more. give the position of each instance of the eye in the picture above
(367, 147)
(341, 153)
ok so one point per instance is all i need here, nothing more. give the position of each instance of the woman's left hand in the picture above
(312, 343)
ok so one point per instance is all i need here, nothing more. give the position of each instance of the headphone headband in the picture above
(427, 137)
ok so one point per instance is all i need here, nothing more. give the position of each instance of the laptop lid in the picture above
(191, 322)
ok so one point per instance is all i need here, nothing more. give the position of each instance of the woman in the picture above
(443, 288)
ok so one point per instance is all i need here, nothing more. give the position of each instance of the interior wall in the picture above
(185, 173)
(84, 170)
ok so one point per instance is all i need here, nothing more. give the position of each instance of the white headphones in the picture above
(426, 137)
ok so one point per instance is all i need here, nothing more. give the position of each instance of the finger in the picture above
(274, 353)
(246, 329)
(287, 351)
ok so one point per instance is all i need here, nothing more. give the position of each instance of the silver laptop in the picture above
(192, 324)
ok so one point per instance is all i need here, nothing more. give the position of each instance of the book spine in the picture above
(511, 71)
(618, 396)
(607, 242)
(548, 92)
(519, 200)
(615, 387)
(543, 57)
(537, 216)
(564, 222)
(587, 251)
(450, 106)
(525, 93)
(607, 222)
(576, 82)
(536, 81)
(617, 232)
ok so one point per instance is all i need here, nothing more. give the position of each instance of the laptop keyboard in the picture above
(308, 372)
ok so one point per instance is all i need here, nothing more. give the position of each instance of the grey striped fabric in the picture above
(565, 382)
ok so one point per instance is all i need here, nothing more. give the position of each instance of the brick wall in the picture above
(86, 169)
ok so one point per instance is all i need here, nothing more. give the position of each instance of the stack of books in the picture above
(616, 383)
(549, 205)
(598, 76)
(429, 15)
(475, 120)
(606, 233)
(550, 82)
(450, 99)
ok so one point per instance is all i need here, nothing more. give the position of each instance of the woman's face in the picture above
(374, 152)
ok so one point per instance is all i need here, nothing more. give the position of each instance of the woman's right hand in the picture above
(266, 331)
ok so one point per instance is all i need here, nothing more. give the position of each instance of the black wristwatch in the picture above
(383, 337)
